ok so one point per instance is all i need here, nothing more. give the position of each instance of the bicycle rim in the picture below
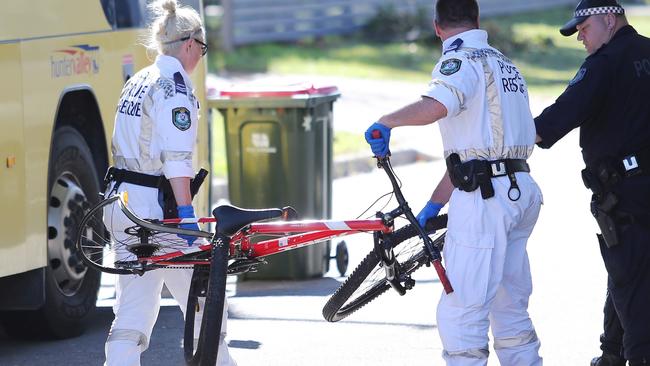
(368, 280)
(105, 244)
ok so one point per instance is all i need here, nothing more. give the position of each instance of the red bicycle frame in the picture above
(291, 234)
(304, 233)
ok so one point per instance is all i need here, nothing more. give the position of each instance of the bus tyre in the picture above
(70, 287)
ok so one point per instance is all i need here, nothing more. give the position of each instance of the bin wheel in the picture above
(342, 257)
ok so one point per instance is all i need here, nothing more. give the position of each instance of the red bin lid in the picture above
(290, 90)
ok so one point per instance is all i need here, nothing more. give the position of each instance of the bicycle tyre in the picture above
(347, 299)
(198, 287)
(208, 346)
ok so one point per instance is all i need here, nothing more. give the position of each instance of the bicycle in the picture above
(232, 249)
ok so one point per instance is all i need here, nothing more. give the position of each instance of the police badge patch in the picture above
(579, 76)
(181, 118)
(450, 66)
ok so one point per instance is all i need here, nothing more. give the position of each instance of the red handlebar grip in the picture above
(376, 134)
(442, 276)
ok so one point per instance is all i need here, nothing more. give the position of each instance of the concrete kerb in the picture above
(344, 166)
(347, 165)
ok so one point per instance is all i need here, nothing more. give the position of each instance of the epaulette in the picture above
(180, 83)
(454, 46)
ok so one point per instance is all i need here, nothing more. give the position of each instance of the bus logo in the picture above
(75, 60)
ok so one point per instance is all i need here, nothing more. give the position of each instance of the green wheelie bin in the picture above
(279, 153)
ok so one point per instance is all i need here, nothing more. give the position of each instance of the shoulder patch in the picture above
(579, 76)
(181, 118)
(180, 83)
(450, 66)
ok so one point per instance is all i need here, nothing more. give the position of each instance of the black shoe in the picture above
(608, 359)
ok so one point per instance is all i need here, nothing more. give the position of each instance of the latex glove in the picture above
(379, 146)
(187, 212)
(430, 210)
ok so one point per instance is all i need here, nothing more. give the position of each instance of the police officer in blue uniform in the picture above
(608, 99)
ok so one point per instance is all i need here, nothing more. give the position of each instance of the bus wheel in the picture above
(70, 287)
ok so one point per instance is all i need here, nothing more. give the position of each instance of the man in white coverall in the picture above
(481, 102)
(155, 131)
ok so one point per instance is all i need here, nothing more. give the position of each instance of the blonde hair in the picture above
(171, 23)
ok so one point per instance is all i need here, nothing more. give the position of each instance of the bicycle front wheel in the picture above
(368, 280)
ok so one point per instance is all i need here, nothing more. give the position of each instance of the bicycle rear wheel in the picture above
(108, 242)
(368, 280)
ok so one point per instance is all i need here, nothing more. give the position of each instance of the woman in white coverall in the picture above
(481, 102)
(155, 131)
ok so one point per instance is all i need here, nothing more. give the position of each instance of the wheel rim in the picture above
(65, 212)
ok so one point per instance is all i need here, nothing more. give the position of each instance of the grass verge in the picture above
(547, 59)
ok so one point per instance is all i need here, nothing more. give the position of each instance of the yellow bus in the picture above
(62, 66)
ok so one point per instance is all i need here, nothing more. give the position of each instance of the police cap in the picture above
(587, 8)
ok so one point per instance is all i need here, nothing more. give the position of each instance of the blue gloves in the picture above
(378, 145)
(187, 212)
(430, 210)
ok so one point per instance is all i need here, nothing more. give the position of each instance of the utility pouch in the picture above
(462, 175)
(603, 211)
(485, 183)
(591, 182)
(168, 200)
(471, 175)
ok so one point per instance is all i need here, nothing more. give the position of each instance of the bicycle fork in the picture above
(387, 257)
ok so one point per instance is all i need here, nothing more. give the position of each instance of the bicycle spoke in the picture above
(368, 280)
(107, 244)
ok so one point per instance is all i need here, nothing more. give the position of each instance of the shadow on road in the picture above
(165, 347)
(313, 287)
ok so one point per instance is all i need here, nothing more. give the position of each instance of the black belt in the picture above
(475, 174)
(634, 164)
(503, 167)
(601, 177)
(127, 176)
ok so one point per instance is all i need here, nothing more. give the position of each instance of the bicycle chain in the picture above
(179, 267)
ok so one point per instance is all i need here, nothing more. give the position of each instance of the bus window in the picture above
(109, 11)
(131, 13)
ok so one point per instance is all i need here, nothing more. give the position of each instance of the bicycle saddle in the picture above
(231, 219)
